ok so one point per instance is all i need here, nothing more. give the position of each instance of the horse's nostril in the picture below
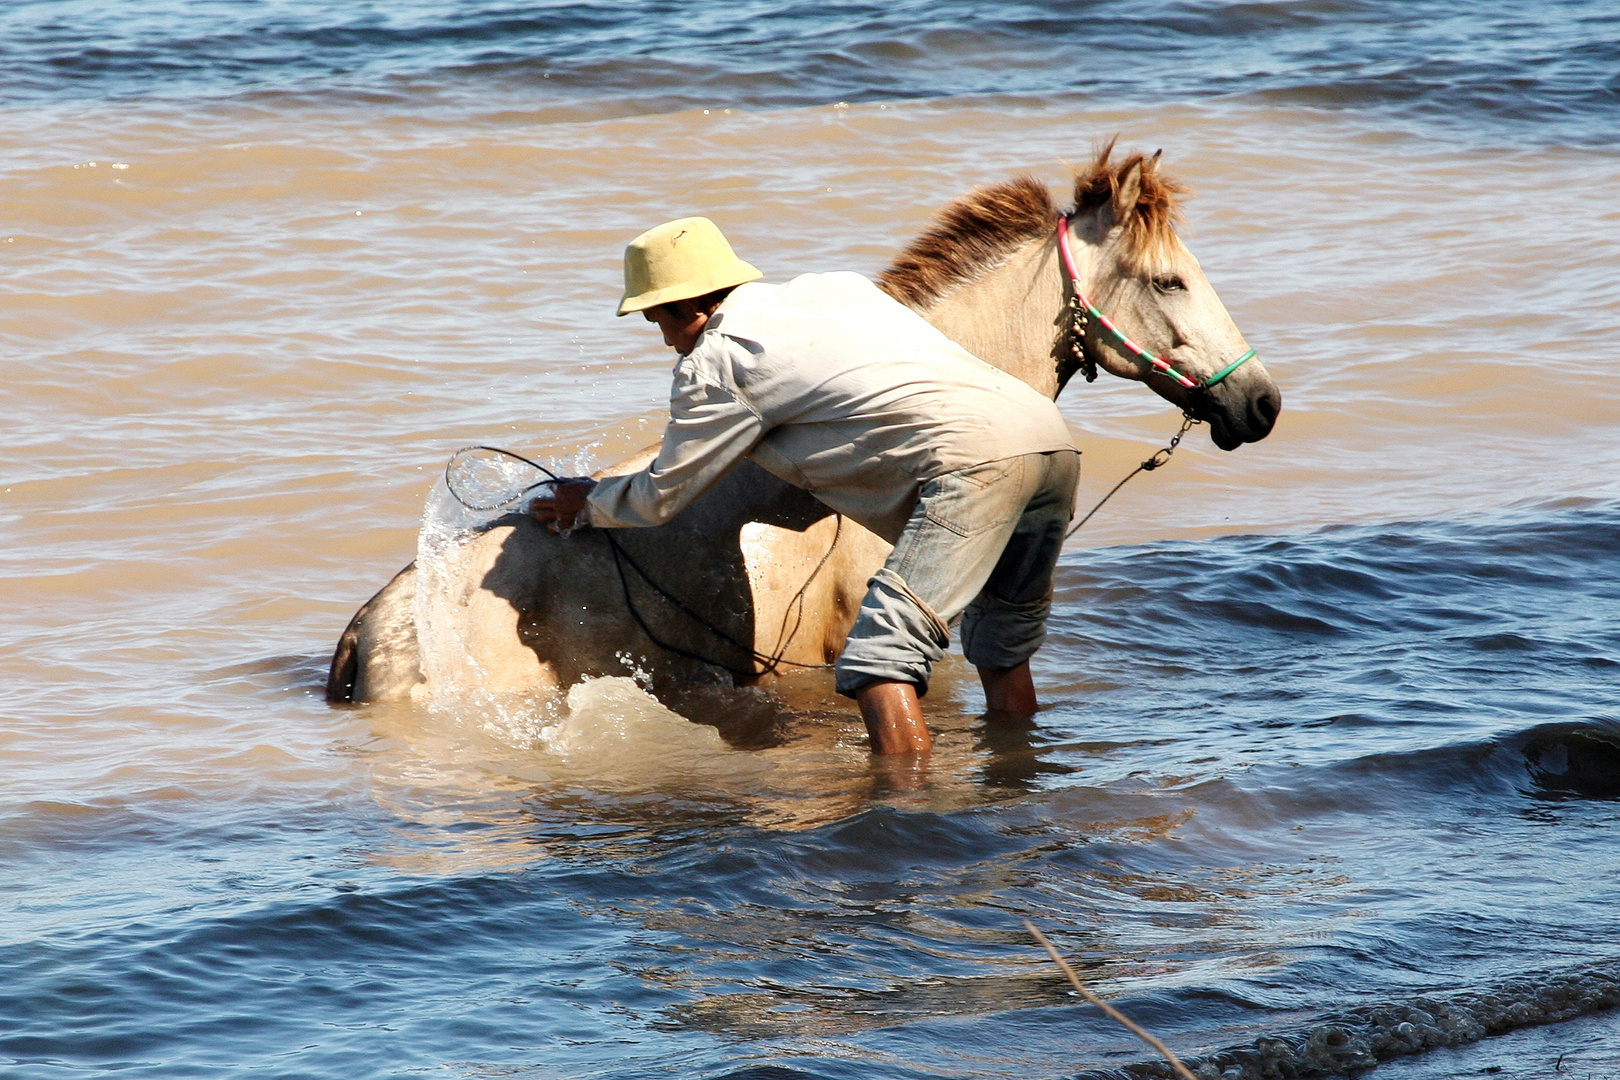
(1265, 409)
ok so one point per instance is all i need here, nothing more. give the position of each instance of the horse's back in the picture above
(755, 559)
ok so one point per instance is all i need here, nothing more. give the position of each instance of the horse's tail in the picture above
(344, 674)
(345, 662)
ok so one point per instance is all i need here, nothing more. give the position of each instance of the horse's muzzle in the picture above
(1232, 423)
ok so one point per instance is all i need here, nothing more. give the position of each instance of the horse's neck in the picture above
(1011, 316)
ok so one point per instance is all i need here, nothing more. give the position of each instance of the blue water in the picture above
(1293, 774)
(1548, 71)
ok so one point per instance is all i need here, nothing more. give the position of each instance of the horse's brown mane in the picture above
(977, 232)
(968, 238)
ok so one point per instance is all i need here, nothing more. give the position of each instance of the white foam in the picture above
(606, 733)
(604, 729)
(613, 721)
(450, 671)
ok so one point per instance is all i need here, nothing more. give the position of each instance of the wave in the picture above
(1357, 1039)
(1425, 59)
(1405, 616)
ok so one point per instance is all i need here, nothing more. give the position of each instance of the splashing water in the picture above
(453, 617)
(451, 671)
(620, 735)
(454, 621)
(487, 479)
(479, 486)
(609, 727)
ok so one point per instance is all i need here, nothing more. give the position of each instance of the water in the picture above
(1332, 721)
(1545, 73)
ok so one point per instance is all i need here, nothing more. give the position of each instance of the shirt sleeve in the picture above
(710, 429)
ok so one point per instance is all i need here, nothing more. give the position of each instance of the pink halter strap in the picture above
(1091, 309)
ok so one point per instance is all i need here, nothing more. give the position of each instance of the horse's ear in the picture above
(1127, 193)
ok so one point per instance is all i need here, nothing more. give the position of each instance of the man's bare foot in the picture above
(894, 719)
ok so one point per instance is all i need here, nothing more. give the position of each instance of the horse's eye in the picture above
(1169, 283)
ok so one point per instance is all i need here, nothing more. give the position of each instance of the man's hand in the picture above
(560, 508)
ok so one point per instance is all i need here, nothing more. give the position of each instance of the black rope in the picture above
(449, 483)
(784, 636)
(635, 613)
(770, 662)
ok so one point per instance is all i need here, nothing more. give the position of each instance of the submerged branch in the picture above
(1074, 981)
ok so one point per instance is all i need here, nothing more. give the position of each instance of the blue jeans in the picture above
(981, 544)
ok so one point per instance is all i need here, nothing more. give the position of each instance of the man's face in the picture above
(681, 323)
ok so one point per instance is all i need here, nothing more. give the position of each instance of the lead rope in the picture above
(1160, 457)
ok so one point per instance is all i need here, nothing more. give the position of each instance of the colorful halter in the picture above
(1083, 310)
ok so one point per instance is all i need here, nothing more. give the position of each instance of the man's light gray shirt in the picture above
(837, 388)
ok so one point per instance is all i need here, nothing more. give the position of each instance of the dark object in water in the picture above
(1581, 762)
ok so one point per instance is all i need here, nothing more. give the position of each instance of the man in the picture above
(836, 388)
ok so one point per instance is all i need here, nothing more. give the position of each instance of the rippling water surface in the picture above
(1333, 729)
(1547, 69)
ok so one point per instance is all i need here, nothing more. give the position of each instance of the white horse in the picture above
(756, 577)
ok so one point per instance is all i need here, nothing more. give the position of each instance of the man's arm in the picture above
(710, 430)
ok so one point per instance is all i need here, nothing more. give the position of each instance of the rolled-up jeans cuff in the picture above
(996, 634)
(896, 638)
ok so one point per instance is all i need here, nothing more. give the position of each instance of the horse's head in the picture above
(1161, 322)
(985, 273)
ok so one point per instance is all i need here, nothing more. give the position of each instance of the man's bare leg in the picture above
(894, 719)
(1009, 693)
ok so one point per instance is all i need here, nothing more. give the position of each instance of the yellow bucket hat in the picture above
(677, 261)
